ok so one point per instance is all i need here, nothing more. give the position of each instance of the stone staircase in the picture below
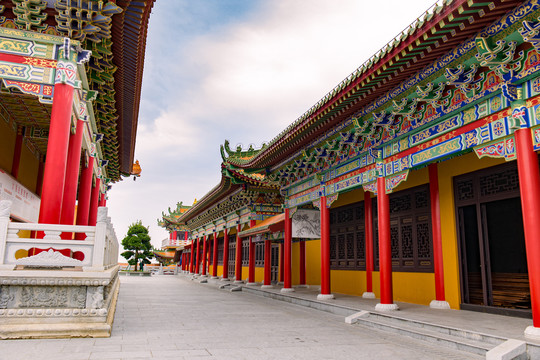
(474, 343)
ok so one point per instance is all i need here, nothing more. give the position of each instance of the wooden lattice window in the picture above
(259, 254)
(220, 251)
(245, 252)
(232, 255)
(410, 230)
(347, 237)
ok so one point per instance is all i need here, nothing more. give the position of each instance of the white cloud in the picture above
(244, 81)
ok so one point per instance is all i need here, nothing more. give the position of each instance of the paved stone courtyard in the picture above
(171, 317)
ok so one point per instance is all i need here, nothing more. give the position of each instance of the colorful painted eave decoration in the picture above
(240, 176)
(219, 192)
(115, 70)
(429, 37)
(428, 104)
(173, 218)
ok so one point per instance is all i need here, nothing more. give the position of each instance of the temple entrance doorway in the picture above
(494, 275)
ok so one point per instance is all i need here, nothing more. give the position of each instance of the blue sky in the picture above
(241, 70)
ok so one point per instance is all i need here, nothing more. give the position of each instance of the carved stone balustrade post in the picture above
(99, 241)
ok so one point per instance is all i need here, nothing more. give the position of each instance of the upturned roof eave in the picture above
(274, 152)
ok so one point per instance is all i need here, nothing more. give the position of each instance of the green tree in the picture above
(137, 245)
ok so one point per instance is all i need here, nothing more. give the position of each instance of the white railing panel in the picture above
(13, 246)
(100, 247)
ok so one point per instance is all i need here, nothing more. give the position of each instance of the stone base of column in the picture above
(214, 277)
(439, 304)
(386, 307)
(204, 276)
(267, 286)
(302, 286)
(252, 284)
(532, 332)
(225, 279)
(325, 297)
(238, 282)
(287, 290)
(368, 295)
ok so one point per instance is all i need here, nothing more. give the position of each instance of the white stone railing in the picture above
(97, 252)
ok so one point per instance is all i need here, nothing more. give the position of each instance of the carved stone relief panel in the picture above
(43, 297)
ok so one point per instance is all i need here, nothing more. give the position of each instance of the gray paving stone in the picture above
(169, 317)
(177, 353)
(120, 354)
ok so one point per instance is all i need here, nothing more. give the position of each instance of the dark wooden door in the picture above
(491, 238)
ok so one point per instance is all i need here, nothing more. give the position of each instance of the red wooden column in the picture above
(251, 268)
(103, 200)
(287, 254)
(204, 257)
(173, 235)
(302, 264)
(440, 299)
(183, 261)
(529, 188)
(267, 265)
(192, 256)
(281, 263)
(238, 263)
(198, 260)
(94, 200)
(85, 191)
(325, 252)
(57, 150)
(17, 152)
(225, 275)
(67, 216)
(385, 249)
(368, 226)
(215, 256)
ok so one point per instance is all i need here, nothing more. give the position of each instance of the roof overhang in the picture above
(272, 224)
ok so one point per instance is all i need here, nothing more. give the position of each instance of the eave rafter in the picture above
(429, 37)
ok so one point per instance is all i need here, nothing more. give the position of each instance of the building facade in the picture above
(70, 85)
(422, 165)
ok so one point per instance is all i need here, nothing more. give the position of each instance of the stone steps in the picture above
(456, 339)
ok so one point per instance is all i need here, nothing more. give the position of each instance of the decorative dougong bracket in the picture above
(531, 33)
(465, 80)
(391, 183)
(432, 95)
(500, 57)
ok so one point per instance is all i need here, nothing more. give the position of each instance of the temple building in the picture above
(415, 179)
(70, 86)
(179, 236)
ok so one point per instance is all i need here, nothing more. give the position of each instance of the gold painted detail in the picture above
(12, 70)
(18, 47)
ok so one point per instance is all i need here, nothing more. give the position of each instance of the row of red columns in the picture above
(286, 250)
(60, 174)
(529, 176)
(196, 258)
